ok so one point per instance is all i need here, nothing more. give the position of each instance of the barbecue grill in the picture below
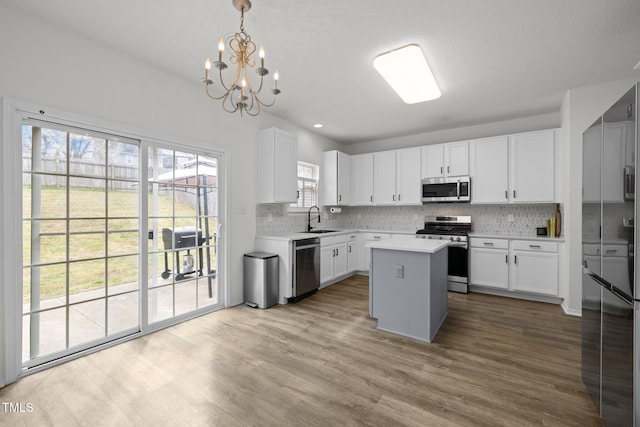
(182, 238)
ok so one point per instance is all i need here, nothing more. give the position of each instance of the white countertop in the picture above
(289, 236)
(409, 245)
(515, 236)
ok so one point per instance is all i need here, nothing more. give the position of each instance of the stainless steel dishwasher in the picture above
(306, 268)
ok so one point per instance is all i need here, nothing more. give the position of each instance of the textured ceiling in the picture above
(493, 59)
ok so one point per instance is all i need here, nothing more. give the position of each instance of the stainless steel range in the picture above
(455, 229)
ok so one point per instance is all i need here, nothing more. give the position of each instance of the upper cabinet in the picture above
(489, 170)
(520, 168)
(408, 186)
(444, 160)
(277, 166)
(362, 179)
(336, 179)
(384, 178)
(397, 177)
(532, 167)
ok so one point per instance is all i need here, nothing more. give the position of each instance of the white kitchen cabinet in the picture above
(532, 167)
(333, 259)
(519, 168)
(489, 263)
(396, 178)
(444, 160)
(592, 153)
(489, 170)
(362, 179)
(277, 166)
(352, 252)
(613, 162)
(514, 265)
(535, 267)
(384, 178)
(408, 186)
(335, 178)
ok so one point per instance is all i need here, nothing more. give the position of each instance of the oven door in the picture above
(458, 273)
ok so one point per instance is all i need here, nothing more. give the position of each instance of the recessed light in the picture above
(318, 125)
(407, 72)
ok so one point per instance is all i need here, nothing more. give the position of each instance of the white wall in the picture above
(543, 121)
(580, 108)
(55, 68)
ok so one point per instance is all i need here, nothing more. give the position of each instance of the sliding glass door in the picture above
(92, 222)
(183, 224)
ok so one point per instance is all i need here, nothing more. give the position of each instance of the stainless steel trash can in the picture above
(261, 279)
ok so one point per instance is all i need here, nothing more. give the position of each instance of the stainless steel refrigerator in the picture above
(610, 320)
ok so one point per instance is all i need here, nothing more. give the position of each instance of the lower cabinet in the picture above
(535, 267)
(364, 253)
(333, 258)
(489, 263)
(352, 252)
(528, 266)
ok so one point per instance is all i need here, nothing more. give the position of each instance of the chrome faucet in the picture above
(309, 228)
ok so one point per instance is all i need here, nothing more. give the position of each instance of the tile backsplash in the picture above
(494, 219)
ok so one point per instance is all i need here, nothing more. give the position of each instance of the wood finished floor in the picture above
(495, 362)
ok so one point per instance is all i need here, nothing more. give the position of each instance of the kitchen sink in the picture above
(320, 231)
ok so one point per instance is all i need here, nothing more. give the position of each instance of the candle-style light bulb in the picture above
(244, 83)
(261, 54)
(220, 49)
(207, 64)
(276, 76)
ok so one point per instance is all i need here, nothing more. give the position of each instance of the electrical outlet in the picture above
(399, 271)
(415, 217)
(270, 218)
(510, 217)
(359, 216)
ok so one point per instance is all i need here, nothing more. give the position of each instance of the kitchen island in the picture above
(408, 286)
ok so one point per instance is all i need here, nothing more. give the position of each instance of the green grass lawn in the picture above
(91, 242)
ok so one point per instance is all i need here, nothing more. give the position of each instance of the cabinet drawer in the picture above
(615, 250)
(375, 236)
(591, 249)
(340, 238)
(326, 241)
(489, 243)
(532, 245)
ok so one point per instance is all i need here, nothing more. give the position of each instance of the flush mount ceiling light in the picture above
(240, 95)
(407, 72)
(318, 125)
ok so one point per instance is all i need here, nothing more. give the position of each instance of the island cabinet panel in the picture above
(408, 292)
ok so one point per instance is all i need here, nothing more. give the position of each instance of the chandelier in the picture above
(240, 95)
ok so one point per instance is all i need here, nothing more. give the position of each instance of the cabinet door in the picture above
(329, 178)
(408, 177)
(286, 167)
(489, 170)
(384, 178)
(591, 155)
(532, 167)
(340, 260)
(344, 178)
(362, 179)
(432, 161)
(456, 159)
(326, 263)
(352, 257)
(613, 153)
(535, 272)
(489, 267)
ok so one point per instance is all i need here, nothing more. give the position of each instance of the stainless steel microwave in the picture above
(454, 189)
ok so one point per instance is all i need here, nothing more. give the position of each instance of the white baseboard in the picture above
(569, 311)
